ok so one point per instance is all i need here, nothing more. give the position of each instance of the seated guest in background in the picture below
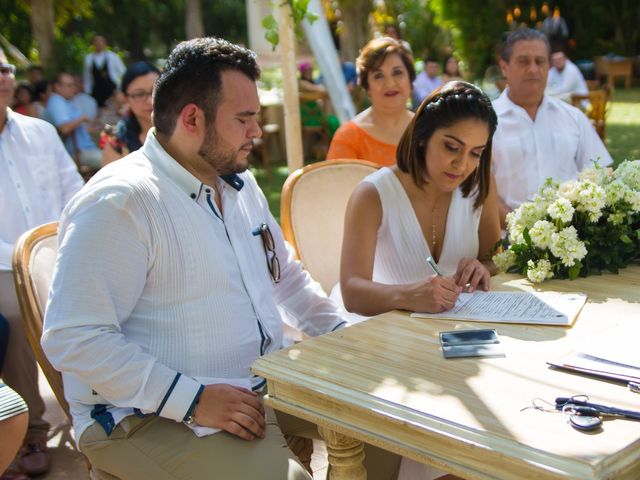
(538, 136)
(85, 104)
(182, 297)
(493, 83)
(450, 70)
(306, 83)
(426, 81)
(439, 200)
(23, 100)
(393, 32)
(130, 132)
(385, 72)
(70, 123)
(565, 78)
(41, 92)
(37, 178)
(349, 73)
(35, 73)
(14, 418)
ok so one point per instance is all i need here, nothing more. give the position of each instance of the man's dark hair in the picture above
(519, 35)
(453, 102)
(192, 74)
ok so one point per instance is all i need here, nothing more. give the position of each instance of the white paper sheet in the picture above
(547, 308)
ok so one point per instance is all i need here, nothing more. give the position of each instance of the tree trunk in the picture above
(42, 26)
(355, 34)
(194, 25)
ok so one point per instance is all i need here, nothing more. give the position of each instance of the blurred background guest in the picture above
(130, 132)
(385, 72)
(84, 103)
(565, 78)
(35, 73)
(70, 123)
(23, 100)
(102, 71)
(306, 82)
(450, 70)
(426, 81)
(41, 92)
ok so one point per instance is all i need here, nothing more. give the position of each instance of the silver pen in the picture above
(434, 266)
(634, 387)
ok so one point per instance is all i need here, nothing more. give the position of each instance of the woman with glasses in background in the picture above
(130, 132)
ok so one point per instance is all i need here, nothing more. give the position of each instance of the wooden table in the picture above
(385, 382)
(614, 67)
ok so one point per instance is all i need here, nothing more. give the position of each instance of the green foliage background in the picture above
(138, 29)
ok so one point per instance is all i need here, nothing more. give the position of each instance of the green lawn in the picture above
(623, 142)
(623, 125)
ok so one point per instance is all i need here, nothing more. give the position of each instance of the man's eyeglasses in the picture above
(273, 264)
(139, 96)
(7, 69)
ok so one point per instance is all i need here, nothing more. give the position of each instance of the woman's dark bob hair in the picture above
(135, 70)
(449, 104)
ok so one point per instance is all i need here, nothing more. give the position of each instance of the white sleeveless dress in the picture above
(401, 253)
(402, 250)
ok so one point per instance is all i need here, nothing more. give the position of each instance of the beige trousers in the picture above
(20, 371)
(161, 449)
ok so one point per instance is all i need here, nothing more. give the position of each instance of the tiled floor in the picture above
(68, 464)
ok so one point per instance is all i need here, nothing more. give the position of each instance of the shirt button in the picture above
(208, 190)
(193, 195)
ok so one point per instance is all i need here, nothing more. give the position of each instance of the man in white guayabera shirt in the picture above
(538, 136)
(169, 274)
(37, 178)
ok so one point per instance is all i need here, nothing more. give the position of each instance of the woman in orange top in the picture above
(385, 71)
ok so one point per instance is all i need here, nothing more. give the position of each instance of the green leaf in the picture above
(625, 238)
(574, 271)
(272, 37)
(269, 22)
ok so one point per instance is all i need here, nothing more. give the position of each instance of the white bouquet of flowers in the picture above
(577, 228)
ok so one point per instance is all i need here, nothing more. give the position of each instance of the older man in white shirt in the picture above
(156, 333)
(37, 178)
(565, 78)
(537, 136)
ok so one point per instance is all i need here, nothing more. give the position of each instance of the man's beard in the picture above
(221, 156)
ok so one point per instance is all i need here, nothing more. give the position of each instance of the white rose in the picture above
(569, 190)
(541, 233)
(590, 174)
(504, 260)
(561, 210)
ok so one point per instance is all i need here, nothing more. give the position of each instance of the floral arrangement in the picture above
(576, 228)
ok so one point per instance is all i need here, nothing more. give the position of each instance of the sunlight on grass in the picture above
(623, 125)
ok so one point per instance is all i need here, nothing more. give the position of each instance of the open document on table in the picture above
(614, 356)
(545, 308)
